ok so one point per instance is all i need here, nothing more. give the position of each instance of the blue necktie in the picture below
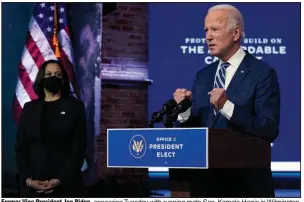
(220, 77)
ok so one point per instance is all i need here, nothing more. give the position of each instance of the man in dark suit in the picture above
(238, 92)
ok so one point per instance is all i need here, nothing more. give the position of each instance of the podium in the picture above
(202, 148)
(227, 149)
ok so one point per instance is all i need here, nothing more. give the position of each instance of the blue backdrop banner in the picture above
(170, 148)
(177, 50)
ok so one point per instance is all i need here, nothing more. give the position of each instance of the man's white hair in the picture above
(235, 17)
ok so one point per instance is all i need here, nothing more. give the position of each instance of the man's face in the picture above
(218, 36)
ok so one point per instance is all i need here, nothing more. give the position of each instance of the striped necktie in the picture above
(220, 77)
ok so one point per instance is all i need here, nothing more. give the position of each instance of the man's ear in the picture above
(237, 34)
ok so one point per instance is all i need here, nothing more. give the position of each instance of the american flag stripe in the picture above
(17, 109)
(69, 69)
(42, 42)
(67, 56)
(29, 64)
(67, 64)
(67, 30)
(66, 44)
(26, 82)
(39, 48)
(35, 53)
(22, 95)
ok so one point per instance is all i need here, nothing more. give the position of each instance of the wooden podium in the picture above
(226, 149)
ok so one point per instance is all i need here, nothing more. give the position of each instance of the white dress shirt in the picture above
(228, 107)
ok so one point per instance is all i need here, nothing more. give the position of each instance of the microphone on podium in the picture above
(166, 109)
(181, 107)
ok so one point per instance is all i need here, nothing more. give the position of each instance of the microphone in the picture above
(167, 108)
(181, 107)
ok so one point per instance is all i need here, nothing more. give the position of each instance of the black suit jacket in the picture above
(63, 156)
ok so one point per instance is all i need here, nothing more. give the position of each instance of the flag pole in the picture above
(55, 39)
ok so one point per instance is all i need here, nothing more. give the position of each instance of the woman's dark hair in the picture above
(38, 84)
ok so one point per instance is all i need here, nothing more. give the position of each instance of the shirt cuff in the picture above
(227, 109)
(183, 117)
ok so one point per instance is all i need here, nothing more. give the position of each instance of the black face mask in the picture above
(52, 84)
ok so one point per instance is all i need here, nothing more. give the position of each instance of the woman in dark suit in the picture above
(51, 138)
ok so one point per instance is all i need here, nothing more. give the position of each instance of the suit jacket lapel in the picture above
(240, 73)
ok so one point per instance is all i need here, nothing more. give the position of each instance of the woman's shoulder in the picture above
(70, 101)
(32, 103)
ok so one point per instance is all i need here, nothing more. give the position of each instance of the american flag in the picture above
(48, 38)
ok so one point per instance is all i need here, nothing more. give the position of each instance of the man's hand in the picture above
(218, 98)
(181, 93)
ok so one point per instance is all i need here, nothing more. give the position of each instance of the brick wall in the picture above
(125, 42)
(124, 71)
